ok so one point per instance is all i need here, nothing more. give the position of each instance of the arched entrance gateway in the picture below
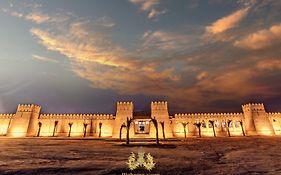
(142, 125)
(140, 128)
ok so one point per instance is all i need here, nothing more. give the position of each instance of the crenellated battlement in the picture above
(209, 115)
(28, 108)
(124, 103)
(159, 105)
(253, 107)
(125, 106)
(274, 114)
(78, 116)
(6, 116)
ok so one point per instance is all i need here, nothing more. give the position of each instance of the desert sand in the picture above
(222, 155)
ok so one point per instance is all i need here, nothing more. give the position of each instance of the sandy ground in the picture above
(237, 155)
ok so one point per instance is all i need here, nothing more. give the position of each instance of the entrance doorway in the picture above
(142, 127)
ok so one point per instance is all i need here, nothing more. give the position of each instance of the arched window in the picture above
(231, 124)
(203, 124)
(210, 125)
(237, 124)
(217, 124)
(223, 124)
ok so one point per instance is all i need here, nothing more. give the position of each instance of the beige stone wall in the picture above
(275, 120)
(5, 121)
(124, 110)
(159, 111)
(206, 128)
(256, 119)
(77, 128)
(25, 122)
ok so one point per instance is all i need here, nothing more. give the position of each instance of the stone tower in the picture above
(124, 110)
(159, 111)
(25, 122)
(256, 120)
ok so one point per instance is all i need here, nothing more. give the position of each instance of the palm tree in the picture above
(198, 125)
(213, 126)
(154, 121)
(163, 131)
(85, 129)
(228, 125)
(100, 125)
(120, 134)
(184, 128)
(129, 121)
(69, 132)
(55, 128)
(241, 123)
(39, 124)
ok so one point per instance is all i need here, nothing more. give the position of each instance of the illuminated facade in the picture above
(27, 121)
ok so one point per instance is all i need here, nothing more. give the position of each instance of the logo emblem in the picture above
(141, 160)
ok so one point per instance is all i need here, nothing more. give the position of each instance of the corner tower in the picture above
(256, 120)
(25, 122)
(123, 110)
(159, 111)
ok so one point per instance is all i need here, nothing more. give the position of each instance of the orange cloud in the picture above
(269, 64)
(37, 17)
(146, 5)
(153, 13)
(227, 22)
(199, 79)
(95, 58)
(90, 50)
(261, 39)
(202, 75)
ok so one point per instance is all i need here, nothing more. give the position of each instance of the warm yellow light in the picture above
(3, 129)
(106, 131)
(18, 132)
(266, 131)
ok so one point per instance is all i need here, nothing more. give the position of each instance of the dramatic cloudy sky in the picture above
(83, 56)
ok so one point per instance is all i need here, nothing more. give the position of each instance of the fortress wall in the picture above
(5, 120)
(220, 123)
(275, 120)
(78, 123)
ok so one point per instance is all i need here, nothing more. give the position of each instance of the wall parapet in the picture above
(274, 113)
(204, 115)
(6, 116)
(124, 103)
(254, 106)
(28, 108)
(78, 116)
(159, 105)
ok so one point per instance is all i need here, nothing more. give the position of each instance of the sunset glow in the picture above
(83, 56)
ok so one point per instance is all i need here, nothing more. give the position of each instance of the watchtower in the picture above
(124, 110)
(159, 111)
(25, 121)
(256, 120)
